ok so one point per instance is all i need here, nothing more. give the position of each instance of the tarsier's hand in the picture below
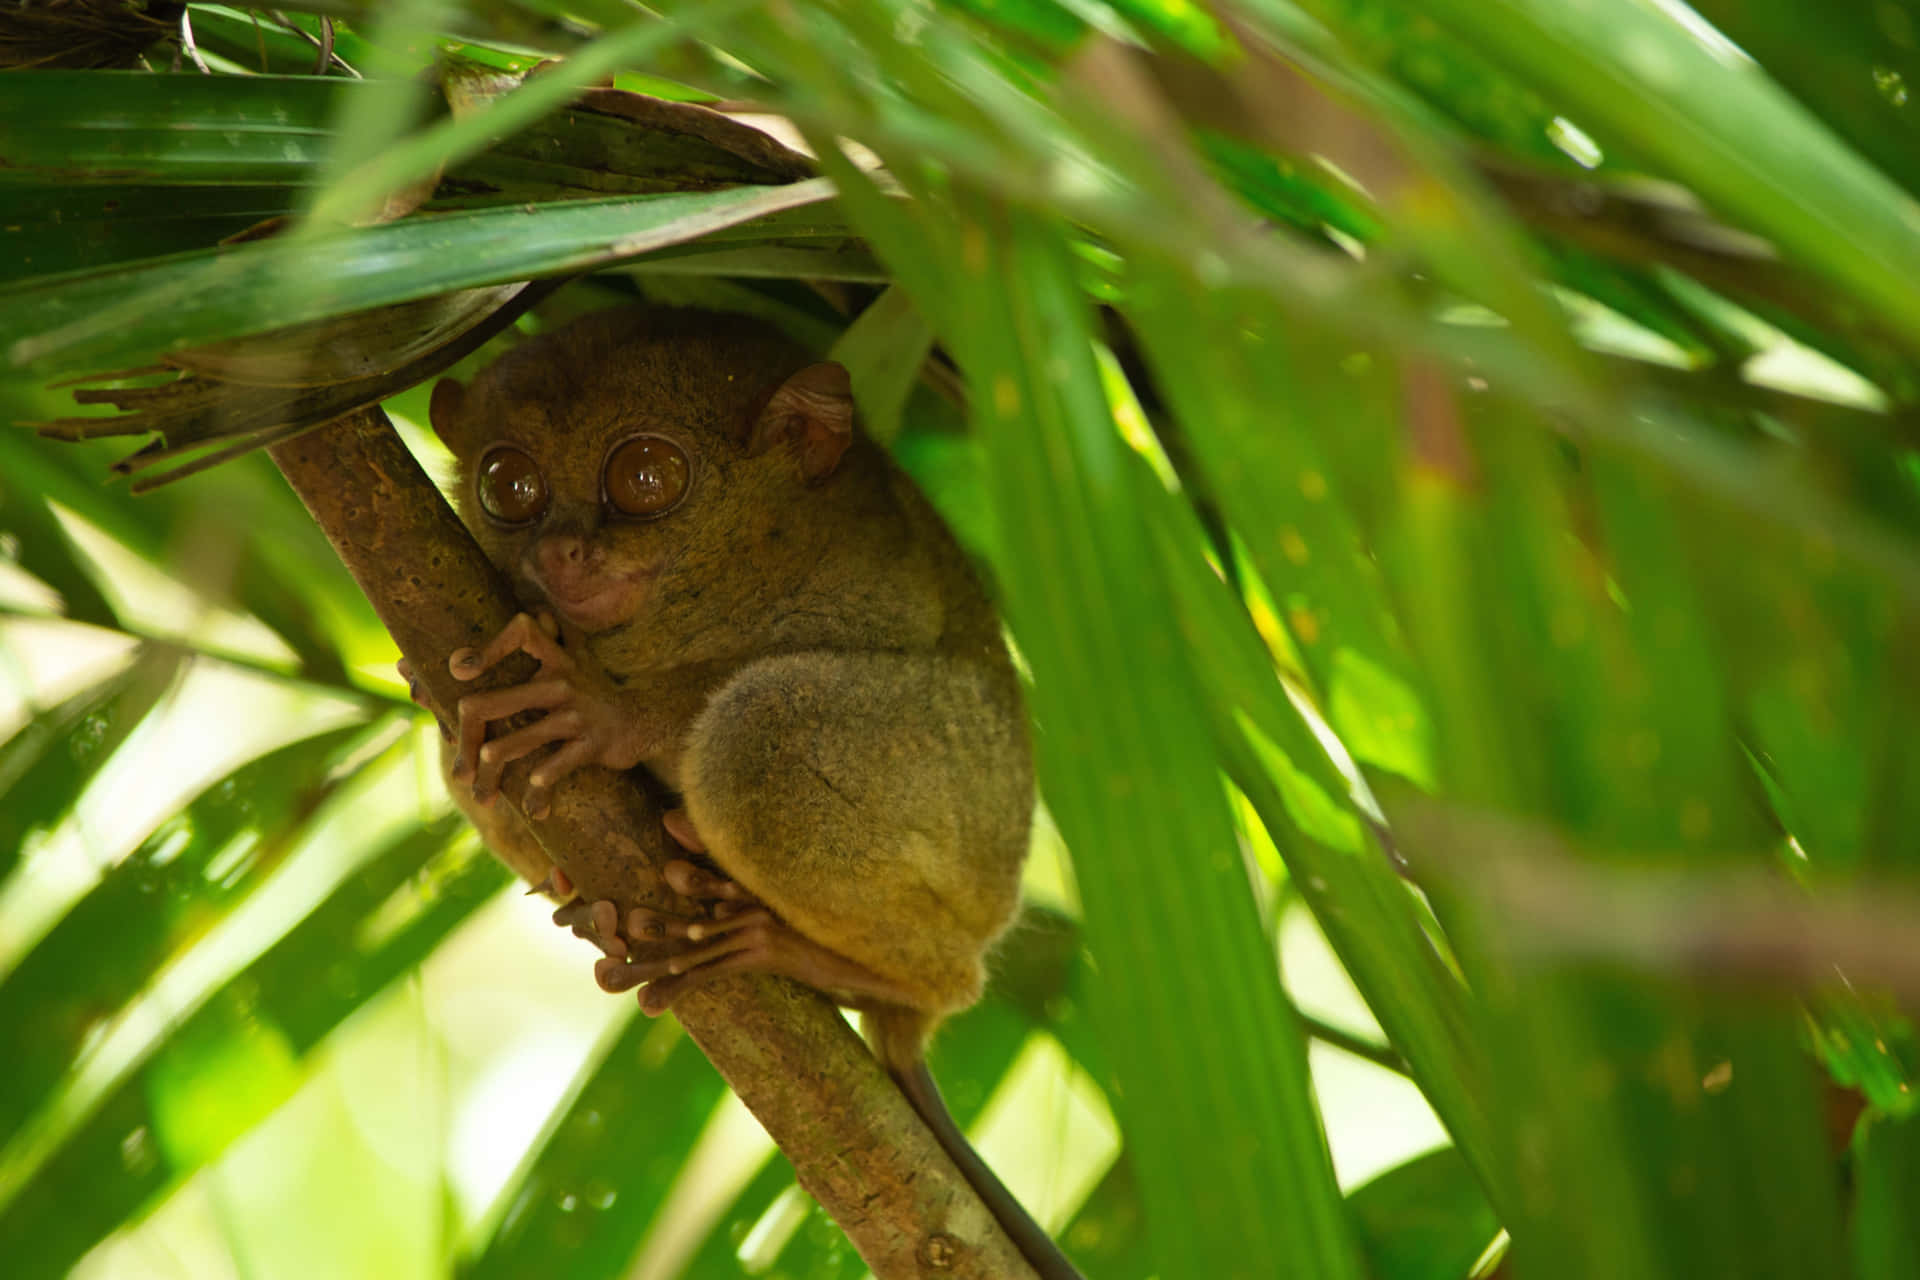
(582, 716)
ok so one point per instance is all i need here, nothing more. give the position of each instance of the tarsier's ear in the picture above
(811, 416)
(443, 411)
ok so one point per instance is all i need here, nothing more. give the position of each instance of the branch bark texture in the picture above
(855, 1143)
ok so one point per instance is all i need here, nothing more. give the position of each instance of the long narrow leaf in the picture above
(126, 316)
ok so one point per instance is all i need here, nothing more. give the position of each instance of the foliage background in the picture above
(1463, 445)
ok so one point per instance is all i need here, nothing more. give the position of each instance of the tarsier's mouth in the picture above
(599, 603)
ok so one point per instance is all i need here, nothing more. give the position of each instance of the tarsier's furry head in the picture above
(596, 456)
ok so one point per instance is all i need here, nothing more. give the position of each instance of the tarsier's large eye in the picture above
(646, 476)
(511, 486)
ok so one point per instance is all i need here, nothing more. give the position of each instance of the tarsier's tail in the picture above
(898, 1037)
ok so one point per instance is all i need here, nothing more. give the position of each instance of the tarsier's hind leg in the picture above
(857, 797)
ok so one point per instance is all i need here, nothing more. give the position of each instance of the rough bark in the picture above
(854, 1141)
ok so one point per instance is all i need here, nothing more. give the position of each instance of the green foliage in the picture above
(1465, 450)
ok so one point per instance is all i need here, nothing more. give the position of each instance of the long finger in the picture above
(644, 925)
(726, 945)
(596, 922)
(499, 753)
(521, 635)
(625, 975)
(690, 881)
(702, 930)
(555, 767)
(498, 704)
(477, 710)
(664, 992)
(680, 827)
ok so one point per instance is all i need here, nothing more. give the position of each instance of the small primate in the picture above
(735, 589)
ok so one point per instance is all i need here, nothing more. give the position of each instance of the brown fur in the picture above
(813, 664)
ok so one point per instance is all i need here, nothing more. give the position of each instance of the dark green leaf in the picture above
(124, 317)
(1426, 1220)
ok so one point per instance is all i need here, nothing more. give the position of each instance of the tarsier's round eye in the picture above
(646, 476)
(510, 485)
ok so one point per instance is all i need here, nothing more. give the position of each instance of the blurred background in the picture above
(1449, 471)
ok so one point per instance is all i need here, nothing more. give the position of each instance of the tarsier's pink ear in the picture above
(443, 411)
(811, 415)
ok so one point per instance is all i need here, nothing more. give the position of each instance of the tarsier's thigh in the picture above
(877, 802)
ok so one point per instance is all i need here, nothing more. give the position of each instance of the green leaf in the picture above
(50, 230)
(160, 1121)
(1886, 1217)
(96, 320)
(52, 758)
(1369, 915)
(1693, 104)
(1108, 1237)
(1425, 1220)
(119, 129)
(198, 866)
(421, 156)
(587, 1195)
(883, 351)
(1127, 775)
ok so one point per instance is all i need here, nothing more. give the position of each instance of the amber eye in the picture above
(511, 486)
(646, 476)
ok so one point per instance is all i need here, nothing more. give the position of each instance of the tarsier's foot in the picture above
(670, 943)
(740, 935)
(599, 923)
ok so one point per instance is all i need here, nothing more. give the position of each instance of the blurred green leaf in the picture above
(1447, 476)
(883, 351)
(193, 869)
(1425, 1220)
(159, 1123)
(1690, 101)
(1108, 1237)
(1041, 412)
(1886, 1219)
(588, 1194)
(1857, 74)
(52, 758)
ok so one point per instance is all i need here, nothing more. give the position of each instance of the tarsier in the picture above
(736, 590)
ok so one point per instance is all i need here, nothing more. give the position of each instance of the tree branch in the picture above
(854, 1141)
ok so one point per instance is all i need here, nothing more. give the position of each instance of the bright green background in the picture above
(1469, 445)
